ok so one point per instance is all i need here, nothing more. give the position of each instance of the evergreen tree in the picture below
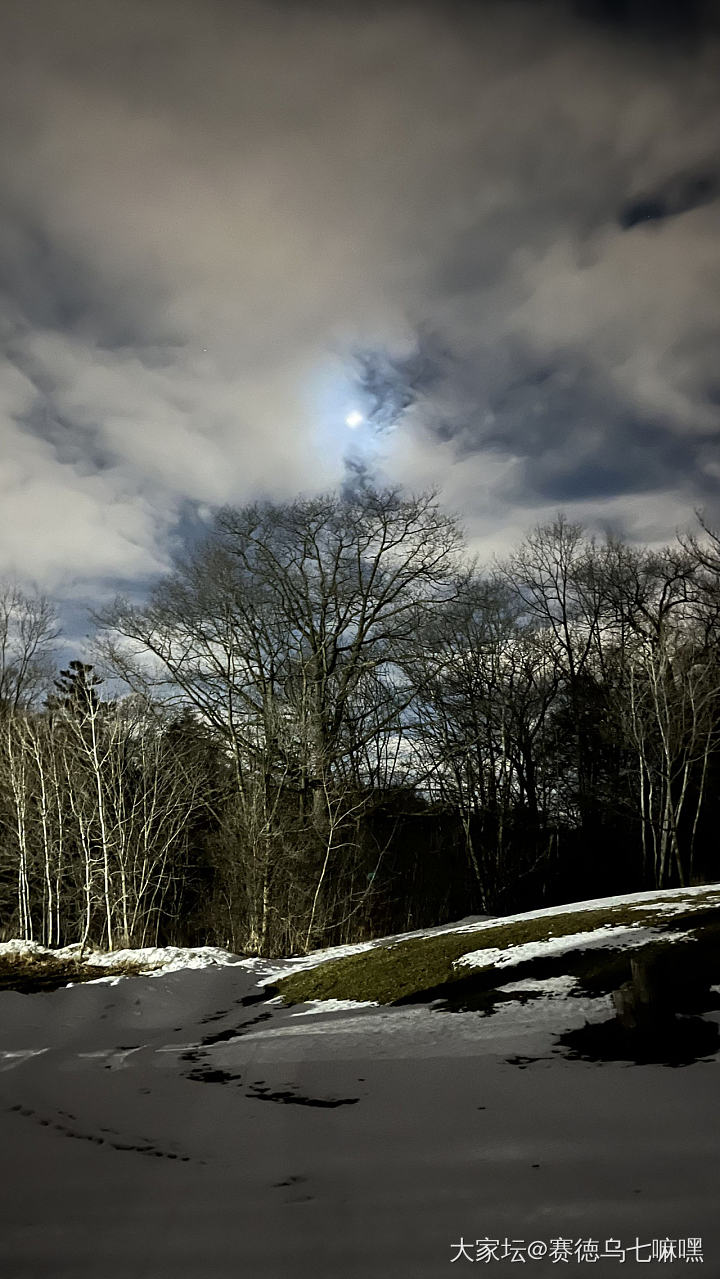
(76, 691)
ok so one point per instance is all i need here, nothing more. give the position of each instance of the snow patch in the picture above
(148, 960)
(622, 938)
(562, 985)
(165, 959)
(314, 1006)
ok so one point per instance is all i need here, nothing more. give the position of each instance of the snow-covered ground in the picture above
(183, 1126)
(149, 959)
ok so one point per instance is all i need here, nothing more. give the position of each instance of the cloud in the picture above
(225, 225)
(680, 194)
(61, 526)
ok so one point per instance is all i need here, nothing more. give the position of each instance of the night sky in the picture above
(490, 231)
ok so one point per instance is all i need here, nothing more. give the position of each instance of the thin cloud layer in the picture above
(491, 229)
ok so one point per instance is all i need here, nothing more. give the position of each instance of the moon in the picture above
(354, 419)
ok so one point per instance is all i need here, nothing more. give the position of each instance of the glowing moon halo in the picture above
(353, 419)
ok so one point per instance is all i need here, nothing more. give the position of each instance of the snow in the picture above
(16, 947)
(151, 960)
(314, 1006)
(179, 1126)
(620, 938)
(362, 1142)
(669, 901)
(562, 985)
(167, 958)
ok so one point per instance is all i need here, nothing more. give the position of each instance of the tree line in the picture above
(328, 722)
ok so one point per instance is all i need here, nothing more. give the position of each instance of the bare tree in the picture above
(484, 685)
(285, 632)
(668, 691)
(28, 630)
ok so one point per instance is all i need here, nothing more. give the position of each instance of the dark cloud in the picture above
(652, 17)
(626, 457)
(226, 225)
(681, 194)
(567, 435)
(389, 385)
